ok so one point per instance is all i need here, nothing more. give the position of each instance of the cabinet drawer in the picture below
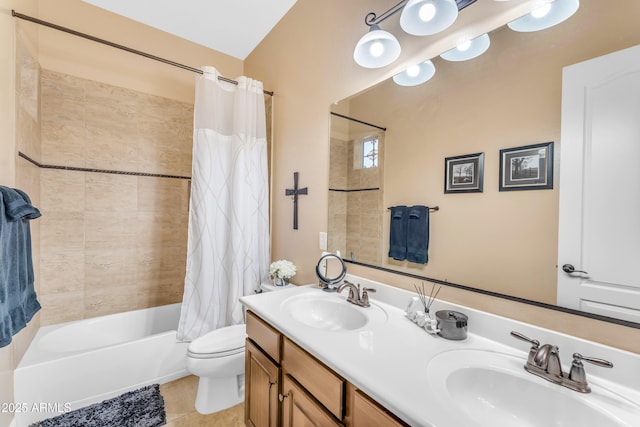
(264, 335)
(320, 381)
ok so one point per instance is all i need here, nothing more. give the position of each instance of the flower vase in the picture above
(280, 281)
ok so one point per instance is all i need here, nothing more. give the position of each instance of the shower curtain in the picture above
(228, 242)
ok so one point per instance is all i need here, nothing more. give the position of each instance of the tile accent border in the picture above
(116, 172)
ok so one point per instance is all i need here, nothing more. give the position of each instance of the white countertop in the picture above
(388, 359)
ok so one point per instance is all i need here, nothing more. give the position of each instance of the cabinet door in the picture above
(299, 409)
(367, 413)
(261, 388)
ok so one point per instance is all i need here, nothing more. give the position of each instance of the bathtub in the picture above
(71, 365)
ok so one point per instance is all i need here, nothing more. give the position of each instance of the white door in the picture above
(599, 229)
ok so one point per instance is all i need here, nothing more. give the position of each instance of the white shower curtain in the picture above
(228, 243)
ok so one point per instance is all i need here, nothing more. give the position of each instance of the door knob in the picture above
(568, 268)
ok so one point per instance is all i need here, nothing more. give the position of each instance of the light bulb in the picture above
(376, 49)
(413, 70)
(542, 11)
(465, 45)
(427, 12)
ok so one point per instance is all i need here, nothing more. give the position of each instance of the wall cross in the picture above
(295, 192)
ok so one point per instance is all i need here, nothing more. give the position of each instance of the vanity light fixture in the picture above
(545, 15)
(379, 48)
(426, 17)
(468, 49)
(415, 74)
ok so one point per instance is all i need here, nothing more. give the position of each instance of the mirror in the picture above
(326, 275)
(497, 241)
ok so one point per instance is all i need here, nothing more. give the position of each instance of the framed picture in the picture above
(527, 168)
(464, 174)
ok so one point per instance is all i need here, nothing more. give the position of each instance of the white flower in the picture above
(283, 269)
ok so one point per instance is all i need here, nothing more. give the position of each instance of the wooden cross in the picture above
(295, 192)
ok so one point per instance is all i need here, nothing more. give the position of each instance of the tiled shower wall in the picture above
(355, 217)
(111, 242)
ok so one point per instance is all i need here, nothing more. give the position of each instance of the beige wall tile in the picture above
(61, 231)
(104, 269)
(110, 149)
(110, 107)
(109, 299)
(62, 191)
(163, 195)
(62, 99)
(63, 144)
(61, 307)
(110, 231)
(111, 193)
(62, 271)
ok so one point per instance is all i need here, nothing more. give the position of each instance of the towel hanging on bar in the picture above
(409, 233)
(18, 302)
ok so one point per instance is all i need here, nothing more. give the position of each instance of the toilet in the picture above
(218, 359)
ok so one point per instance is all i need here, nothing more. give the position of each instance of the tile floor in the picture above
(179, 397)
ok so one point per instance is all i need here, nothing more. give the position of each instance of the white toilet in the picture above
(218, 359)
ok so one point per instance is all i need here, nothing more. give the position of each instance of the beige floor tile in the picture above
(179, 399)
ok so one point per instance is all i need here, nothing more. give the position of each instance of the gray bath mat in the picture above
(139, 408)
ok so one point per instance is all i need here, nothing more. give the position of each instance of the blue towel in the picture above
(398, 233)
(18, 302)
(418, 235)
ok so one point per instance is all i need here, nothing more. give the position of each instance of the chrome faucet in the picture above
(354, 294)
(544, 361)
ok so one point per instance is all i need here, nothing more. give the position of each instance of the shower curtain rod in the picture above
(119, 46)
(358, 121)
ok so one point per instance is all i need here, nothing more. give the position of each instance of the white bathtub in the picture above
(71, 365)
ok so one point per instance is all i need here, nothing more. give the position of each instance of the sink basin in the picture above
(488, 388)
(331, 312)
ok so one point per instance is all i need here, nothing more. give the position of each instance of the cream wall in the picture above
(309, 70)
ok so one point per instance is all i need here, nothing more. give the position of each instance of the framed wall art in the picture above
(464, 174)
(527, 168)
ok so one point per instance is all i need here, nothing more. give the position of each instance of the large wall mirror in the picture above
(498, 241)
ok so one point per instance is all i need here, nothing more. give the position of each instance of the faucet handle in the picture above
(364, 300)
(577, 357)
(578, 374)
(535, 344)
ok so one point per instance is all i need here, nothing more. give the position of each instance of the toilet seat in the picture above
(222, 342)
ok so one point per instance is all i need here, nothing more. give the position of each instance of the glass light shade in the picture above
(476, 47)
(376, 49)
(559, 10)
(414, 18)
(415, 74)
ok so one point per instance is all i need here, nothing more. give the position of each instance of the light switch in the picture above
(323, 240)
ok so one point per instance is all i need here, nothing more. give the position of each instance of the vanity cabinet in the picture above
(299, 408)
(262, 379)
(364, 412)
(262, 373)
(286, 386)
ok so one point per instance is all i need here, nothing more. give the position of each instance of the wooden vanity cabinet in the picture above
(262, 374)
(262, 379)
(286, 386)
(365, 412)
(299, 408)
